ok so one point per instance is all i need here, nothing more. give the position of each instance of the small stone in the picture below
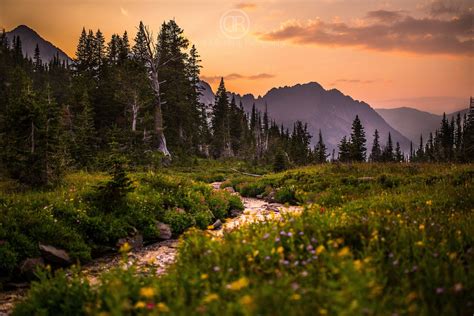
(235, 213)
(135, 242)
(55, 255)
(165, 230)
(217, 224)
(230, 189)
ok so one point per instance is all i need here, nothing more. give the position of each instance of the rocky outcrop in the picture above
(55, 255)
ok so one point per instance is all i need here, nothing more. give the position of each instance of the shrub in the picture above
(179, 221)
(219, 204)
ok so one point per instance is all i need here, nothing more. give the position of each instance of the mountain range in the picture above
(412, 122)
(330, 111)
(29, 39)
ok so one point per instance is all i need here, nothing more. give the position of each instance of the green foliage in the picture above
(382, 250)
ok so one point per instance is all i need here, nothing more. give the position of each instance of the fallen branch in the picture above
(247, 174)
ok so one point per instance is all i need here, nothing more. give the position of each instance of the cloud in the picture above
(355, 81)
(450, 7)
(384, 31)
(123, 11)
(236, 76)
(246, 6)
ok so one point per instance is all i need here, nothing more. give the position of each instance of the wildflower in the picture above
(457, 287)
(429, 202)
(439, 290)
(255, 253)
(320, 249)
(140, 304)
(210, 227)
(267, 258)
(239, 284)
(150, 305)
(344, 252)
(304, 273)
(210, 298)
(301, 233)
(289, 234)
(216, 269)
(280, 250)
(125, 247)
(358, 264)
(421, 227)
(419, 243)
(295, 297)
(246, 300)
(162, 307)
(411, 296)
(147, 292)
(266, 236)
(204, 276)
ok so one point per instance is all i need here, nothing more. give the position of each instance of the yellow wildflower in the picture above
(323, 311)
(344, 252)
(239, 284)
(420, 243)
(421, 227)
(255, 253)
(295, 297)
(246, 300)
(125, 247)
(320, 249)
(204, 276)
(429, 202)
(358, 264)
(210, 298)
(280, 250)
(162, 307)
(210, 227)
(147, 292)
(411, 296)
(140, 304)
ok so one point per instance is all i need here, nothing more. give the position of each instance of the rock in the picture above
(259, 196)
(270, 198)
(165, 230)
(28, 267)
(230, 189)
(217, 225)
(235, 213)
(272, 207)
(55, 255)
(135, 242)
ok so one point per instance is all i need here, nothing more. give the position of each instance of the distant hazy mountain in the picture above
(412, 122)
(328, 110)
(29, 39)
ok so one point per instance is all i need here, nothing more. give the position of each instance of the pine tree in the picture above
(85, 133)
(221, 146)
(320, 150)
(468, 134)
(357, 148)
(376, 152)
(398, 153)
(344, 150)
(38, 64)
(388, 155)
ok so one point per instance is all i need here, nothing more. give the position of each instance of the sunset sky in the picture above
(388, 53)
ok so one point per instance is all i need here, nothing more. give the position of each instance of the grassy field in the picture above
(373, 239)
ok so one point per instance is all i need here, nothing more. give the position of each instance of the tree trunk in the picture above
(153, 60)
(135, 108)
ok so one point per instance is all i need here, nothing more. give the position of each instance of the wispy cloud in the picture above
(246, 6)
(237, 76)
(385, 31)
(450, 7)
(123, 11)
(355, 81)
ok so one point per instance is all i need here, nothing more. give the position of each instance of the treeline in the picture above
(140, 101)
(452, 142)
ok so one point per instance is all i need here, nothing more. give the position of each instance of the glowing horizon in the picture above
(391, 54)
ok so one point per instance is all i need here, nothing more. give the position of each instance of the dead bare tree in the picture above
(153, 61)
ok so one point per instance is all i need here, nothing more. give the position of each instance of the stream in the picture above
(161, 255)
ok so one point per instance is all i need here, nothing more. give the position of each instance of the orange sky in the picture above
(387, 53)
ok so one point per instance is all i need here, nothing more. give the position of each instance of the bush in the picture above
(179, 221)
(219, 204)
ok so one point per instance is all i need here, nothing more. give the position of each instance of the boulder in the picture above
(28, 267)
(270, 198)
(217, 224)
(230, 189)
(135, 241)
(165, 230)
(235, 213)
(55, 255)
